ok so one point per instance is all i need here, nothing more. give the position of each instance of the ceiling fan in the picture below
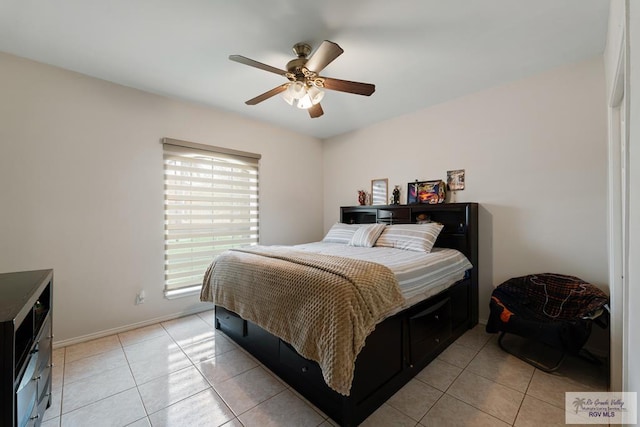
(305, 84)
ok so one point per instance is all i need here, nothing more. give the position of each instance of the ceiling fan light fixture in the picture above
(304, 96)
(305, 85)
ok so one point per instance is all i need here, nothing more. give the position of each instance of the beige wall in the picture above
(534, 151)
(82, 192)
(535, 155)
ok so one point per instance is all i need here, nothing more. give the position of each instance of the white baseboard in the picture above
(113, 331)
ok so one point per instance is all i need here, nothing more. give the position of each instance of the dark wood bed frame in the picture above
(401, 345)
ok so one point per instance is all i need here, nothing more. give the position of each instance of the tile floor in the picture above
(185, 373)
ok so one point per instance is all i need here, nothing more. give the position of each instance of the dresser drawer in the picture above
(44, 399)
(43, 343)
(44, 386)
(429, 329)
(27, 393)
(230, 322)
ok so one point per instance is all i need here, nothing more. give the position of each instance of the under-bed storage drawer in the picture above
(292, 360)
(230, 322)
(429, 329)
(306, 377)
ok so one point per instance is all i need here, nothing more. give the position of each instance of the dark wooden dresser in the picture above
(26, 302)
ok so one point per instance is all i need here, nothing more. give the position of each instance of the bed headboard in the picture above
(460, 230)
(460, 221)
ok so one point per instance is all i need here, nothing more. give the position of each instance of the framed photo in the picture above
(455, 180)
(379, 191)
(430, 192)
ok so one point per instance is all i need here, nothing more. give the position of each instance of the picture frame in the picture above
(455, 180)
(379, 191)
(429, 192)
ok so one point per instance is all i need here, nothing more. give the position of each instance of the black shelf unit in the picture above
(26, 303)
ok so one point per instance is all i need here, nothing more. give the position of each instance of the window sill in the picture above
(183, 292)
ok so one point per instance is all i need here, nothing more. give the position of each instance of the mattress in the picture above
(420, 275)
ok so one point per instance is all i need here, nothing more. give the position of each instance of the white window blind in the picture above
(210, 205)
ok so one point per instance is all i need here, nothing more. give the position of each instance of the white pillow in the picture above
(340, 233)
(411, 237)
(367, 235)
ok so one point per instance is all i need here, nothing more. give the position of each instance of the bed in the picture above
(403, 324)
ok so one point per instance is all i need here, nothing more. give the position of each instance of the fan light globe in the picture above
(305, 102)
(286, 95)
(297, 90)
(315, 94)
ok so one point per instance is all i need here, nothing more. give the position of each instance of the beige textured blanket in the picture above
(324, 306)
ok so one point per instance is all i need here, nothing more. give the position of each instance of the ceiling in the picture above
(418, 53)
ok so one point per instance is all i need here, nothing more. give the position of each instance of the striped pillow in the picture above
(367, 235)
(341, 233)
(412, 237)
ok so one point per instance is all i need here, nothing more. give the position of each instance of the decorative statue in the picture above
(396, 195)
(362, 197)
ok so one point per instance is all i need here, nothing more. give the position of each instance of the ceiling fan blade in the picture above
(246, 61)
(315, 111)
(276, 90)
(323, 56)
(348, 86)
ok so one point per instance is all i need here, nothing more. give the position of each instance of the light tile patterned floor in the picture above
(185, 373)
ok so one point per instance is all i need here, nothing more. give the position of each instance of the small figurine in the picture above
(396, 195)
(362, 197)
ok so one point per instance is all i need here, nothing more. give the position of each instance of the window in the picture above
(210, 205)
